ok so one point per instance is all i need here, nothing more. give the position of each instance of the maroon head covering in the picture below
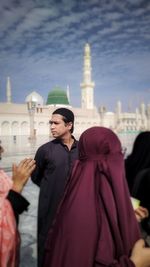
(95, 223)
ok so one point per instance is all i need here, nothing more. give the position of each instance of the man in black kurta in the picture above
(54, 161)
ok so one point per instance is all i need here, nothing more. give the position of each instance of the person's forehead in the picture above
(57, 117)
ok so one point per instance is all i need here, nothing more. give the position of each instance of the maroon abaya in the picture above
(95, 223)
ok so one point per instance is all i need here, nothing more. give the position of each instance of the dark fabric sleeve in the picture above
(124, 261)
(18, 202)
(37, 174)
(143, 195)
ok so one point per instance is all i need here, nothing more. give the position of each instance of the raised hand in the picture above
(21, 173)
(141, 213)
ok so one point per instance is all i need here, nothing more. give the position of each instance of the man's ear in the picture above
(70, 125)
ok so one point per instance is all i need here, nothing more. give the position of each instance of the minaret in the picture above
(8, 90)
(87, 86)
(68, 93)
(119, 108)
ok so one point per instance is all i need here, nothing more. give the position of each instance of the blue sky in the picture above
(42, 44)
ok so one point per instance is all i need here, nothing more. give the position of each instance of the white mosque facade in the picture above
(32, 117)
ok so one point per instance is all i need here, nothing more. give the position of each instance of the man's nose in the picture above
(52, 125)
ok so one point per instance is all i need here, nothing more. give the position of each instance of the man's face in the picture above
(58, 127)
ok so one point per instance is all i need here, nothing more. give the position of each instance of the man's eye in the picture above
(53, 122)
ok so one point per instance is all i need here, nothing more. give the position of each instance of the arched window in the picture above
(25, 128)
(15, 128)
(5, 128)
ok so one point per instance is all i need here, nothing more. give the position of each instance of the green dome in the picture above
(57, 96)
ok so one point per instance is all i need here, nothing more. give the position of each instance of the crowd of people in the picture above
(85, 213)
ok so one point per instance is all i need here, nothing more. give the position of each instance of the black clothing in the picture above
(139, 159)
(141, 191)
(137, 166)
(53, 165)
(141, 188)
(18, 203)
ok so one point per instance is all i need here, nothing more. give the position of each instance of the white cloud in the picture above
(42, 42)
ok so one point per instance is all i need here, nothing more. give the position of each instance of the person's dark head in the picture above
(141, 145)
(62, 121)
(139, 158)
(140, 154)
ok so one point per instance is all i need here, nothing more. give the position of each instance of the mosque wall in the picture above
(13, 122)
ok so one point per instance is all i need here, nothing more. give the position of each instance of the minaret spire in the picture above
(68, 93)
(87, 86)
(8, 90)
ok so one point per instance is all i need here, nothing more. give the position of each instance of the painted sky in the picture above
(42, 44)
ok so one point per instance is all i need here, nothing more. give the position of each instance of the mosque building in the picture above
(32, 117)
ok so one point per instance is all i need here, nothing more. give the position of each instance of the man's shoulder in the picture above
(49, 144)
(76, 142)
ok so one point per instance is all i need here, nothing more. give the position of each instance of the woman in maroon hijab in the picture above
(95, 223)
